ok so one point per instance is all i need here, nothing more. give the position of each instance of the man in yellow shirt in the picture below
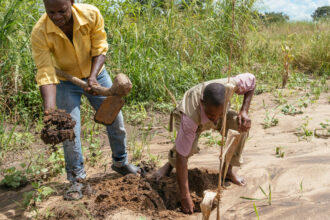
(71, 37)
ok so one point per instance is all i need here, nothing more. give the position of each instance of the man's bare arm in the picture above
(244, 122)
(48, 94)
(97, 64)
(247, 101)
(182, 178)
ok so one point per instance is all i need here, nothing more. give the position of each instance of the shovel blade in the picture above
(109, 110)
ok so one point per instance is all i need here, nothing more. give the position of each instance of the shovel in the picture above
(112, 105)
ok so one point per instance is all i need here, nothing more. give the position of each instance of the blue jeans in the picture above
(68, 97)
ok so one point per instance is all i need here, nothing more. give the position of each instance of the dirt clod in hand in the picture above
(58, 127)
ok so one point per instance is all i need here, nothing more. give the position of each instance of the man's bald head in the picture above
(59, 11)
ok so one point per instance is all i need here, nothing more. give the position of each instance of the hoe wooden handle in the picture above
(121, 84)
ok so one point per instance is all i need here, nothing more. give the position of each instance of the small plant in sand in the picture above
(256, 210)
(39, 194)
(323, 131)
(301, 188)
(303, 130)
(269, 120)
(290, 109)
(261, 88)
(318, 86)
(280, 98)
(31, 198)
(279, 152)
(304, 102)
(268, 196)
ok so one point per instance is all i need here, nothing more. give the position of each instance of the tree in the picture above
(321, 13)
(271, 17)
(275, 17)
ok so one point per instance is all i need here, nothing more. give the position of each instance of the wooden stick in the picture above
(232, 37)
(121, 84)
(225, 113)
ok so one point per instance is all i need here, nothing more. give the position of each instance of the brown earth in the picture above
(299, 182)
(58, 127)
(144, 195)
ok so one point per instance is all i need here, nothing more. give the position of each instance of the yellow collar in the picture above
(78, 21)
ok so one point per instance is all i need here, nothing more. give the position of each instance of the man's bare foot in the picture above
(233, 177)
(163, 171)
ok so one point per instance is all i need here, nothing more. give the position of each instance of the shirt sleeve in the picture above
(43, 59)
(99, 37)
(245, 83)
(185, 136)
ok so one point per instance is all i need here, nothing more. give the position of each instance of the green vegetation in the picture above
(323, 131)
(301, 188)
(13, 178)
(37, 195)
(290, 109)
(166, 45)
(274, 17)
(303, 131)
(255, 210)
(270, 120)
(268, 197)
(279, 152)
(321, 13)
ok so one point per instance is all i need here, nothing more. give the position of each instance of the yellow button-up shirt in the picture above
(52, 49)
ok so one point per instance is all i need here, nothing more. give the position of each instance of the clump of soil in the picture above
(147, 166)
(147, 196)
(58, 127)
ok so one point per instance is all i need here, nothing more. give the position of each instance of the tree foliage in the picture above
(273, 17)
(321, 13)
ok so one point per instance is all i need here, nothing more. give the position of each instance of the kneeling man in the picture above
(201, 109)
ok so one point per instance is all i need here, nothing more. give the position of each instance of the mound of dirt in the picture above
(58, 127)
(147, 196)
(159, 199)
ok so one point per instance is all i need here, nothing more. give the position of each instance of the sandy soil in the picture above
(299, 182)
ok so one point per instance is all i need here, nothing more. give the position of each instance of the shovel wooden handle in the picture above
(121, 84)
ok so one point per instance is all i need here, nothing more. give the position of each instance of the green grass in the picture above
(168, 46)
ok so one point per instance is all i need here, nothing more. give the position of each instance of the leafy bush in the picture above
(13, 178)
